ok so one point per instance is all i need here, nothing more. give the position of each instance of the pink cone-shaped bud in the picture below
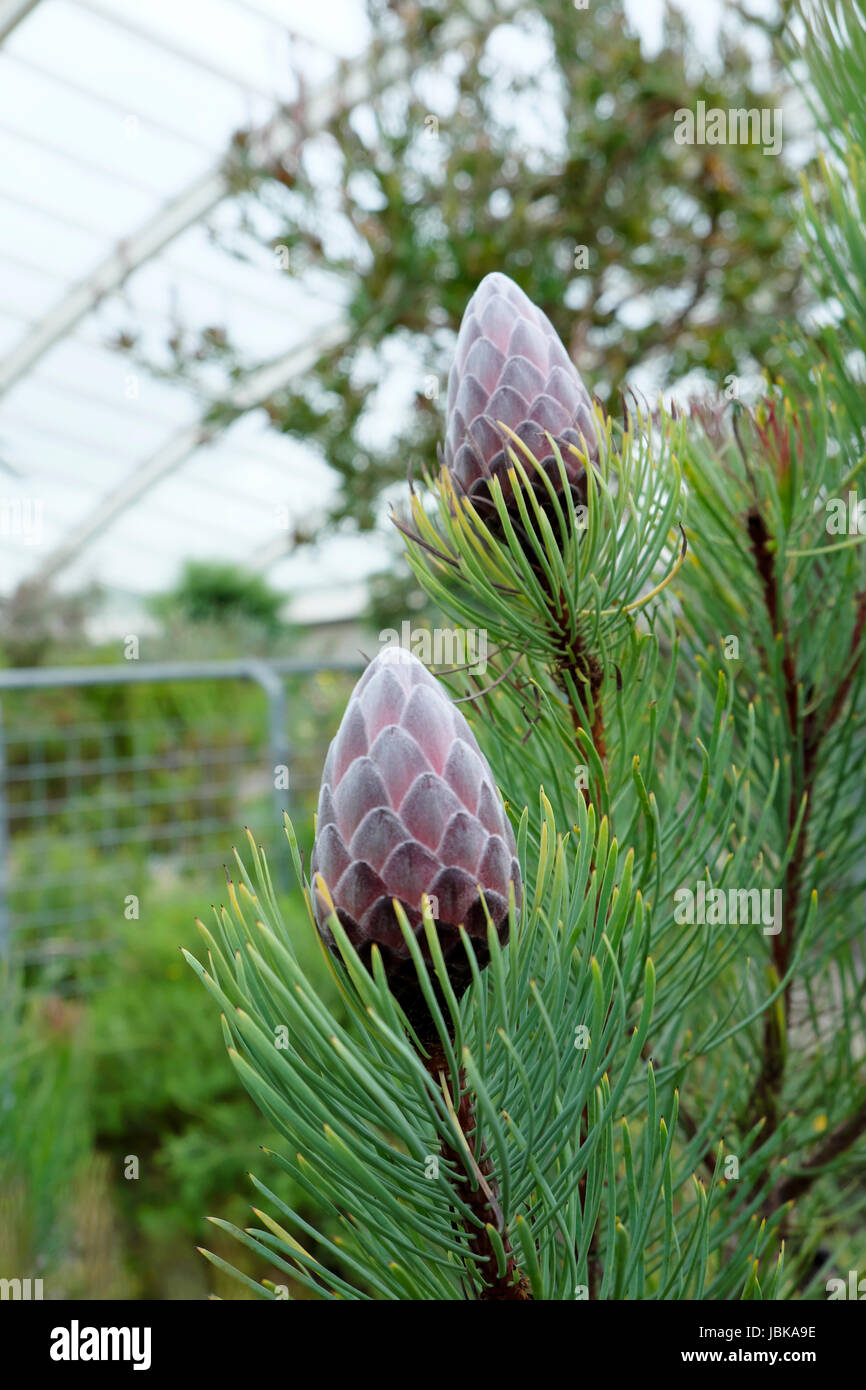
(408, 806)
(510, 366)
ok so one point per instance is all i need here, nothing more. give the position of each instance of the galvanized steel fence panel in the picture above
(92, 811)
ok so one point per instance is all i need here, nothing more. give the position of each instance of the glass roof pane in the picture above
(94, 156)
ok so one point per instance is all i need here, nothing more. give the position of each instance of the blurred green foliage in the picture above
(107, 1047)
(129, 1070)
(36, 621)
(216, 609)
(214, 591)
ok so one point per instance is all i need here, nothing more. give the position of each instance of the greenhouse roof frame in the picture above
(66, 319)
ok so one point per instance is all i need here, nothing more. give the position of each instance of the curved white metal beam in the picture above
(72, 307)
(278, 138)
(11, 14)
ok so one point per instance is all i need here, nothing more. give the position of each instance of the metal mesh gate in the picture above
(95, 812)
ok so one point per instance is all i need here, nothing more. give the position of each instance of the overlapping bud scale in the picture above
(408, 806)
(511, 367)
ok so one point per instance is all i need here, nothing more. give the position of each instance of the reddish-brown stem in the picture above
(585, 671)
(806, 731)
(511, 1285)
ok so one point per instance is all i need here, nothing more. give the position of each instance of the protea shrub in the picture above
(408, 806)
(653, 1103)
(510, 368)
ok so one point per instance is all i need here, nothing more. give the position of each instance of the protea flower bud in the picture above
(510, 366)
(408, 806)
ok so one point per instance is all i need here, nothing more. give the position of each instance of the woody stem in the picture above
(482, 1198)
